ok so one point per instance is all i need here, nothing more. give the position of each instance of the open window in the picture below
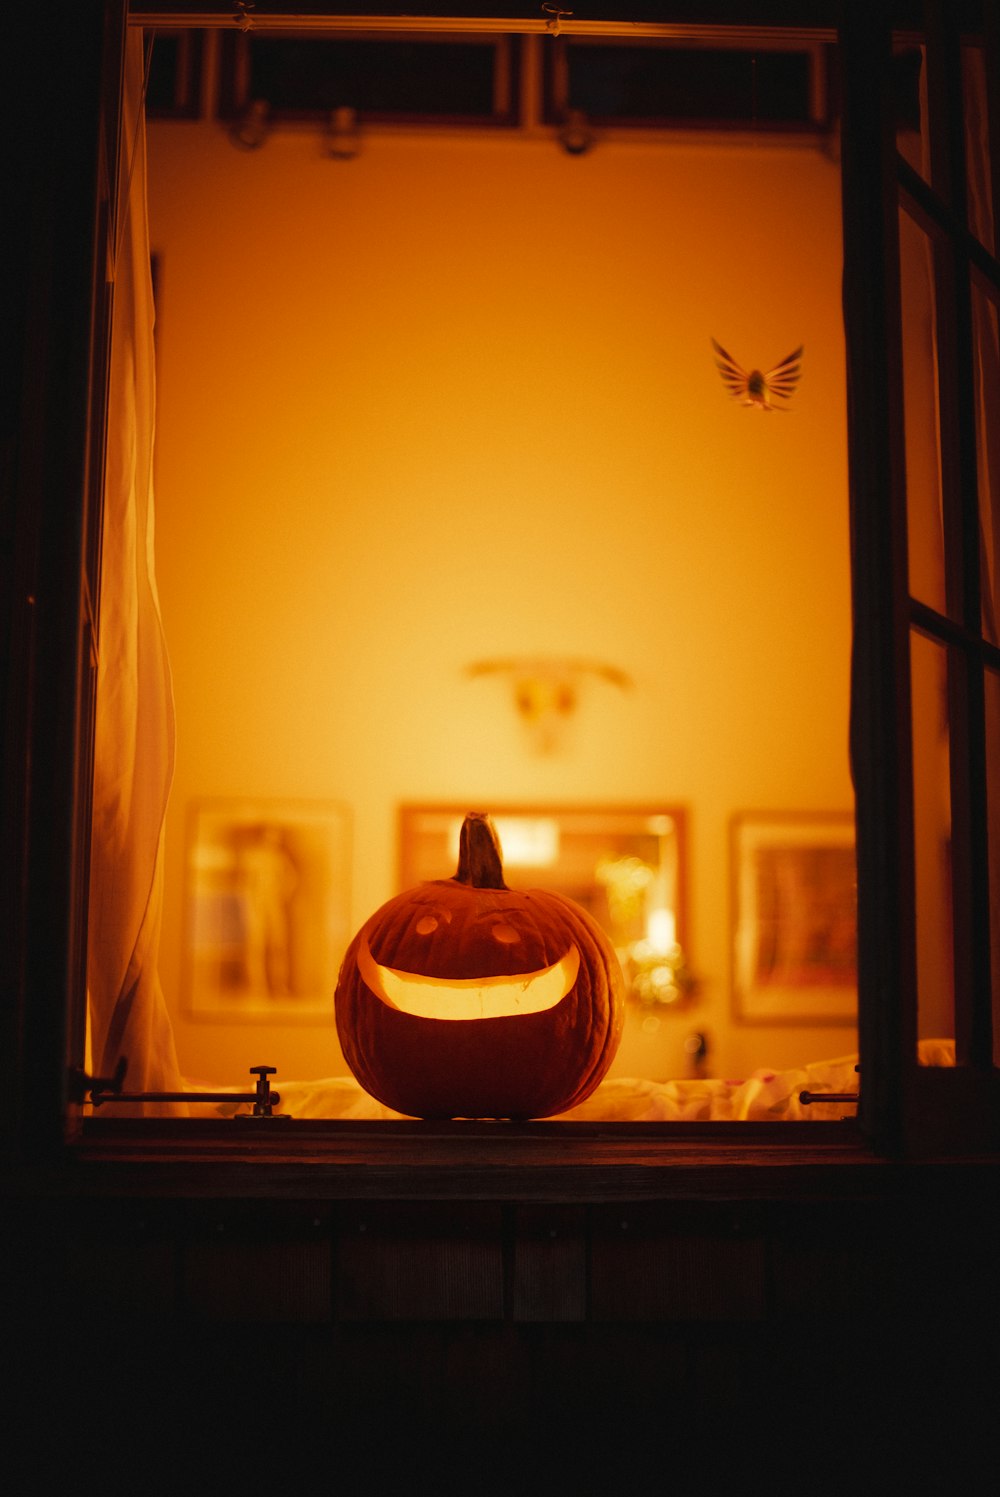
(922, 730)
(782, 706)
(512, 432)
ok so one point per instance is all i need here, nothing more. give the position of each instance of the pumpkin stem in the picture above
(480, 862)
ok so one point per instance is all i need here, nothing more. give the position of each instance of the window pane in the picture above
(174, 85)
(405, 291)
(993, 815)
(977, 146)
(383, 78)
(986, 371)
(746, 86)
(911, 106)
(923, 449)
(932, 844)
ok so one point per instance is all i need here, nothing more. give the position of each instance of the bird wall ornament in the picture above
(755, 388)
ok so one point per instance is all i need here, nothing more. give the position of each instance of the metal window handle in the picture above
(99, 1090)
(807, 1098)
(264, 1099)
(82, 1086)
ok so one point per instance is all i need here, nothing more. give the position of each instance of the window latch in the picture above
(99, 1090)
(807, 1098)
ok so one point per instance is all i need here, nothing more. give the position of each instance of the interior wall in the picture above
(455, 399)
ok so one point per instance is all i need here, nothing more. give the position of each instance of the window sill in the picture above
(568, 1162)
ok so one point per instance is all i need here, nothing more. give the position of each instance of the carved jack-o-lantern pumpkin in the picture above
(463, 998)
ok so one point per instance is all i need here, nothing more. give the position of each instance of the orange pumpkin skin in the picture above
(520, 1065)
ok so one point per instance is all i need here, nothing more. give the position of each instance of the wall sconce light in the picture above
(546, 692)
(658, 980)
(696, 1050)
(250, 131)
(644, 894)
(575, 133)
(342, 138)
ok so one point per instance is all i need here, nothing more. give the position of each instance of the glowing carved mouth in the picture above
(470, 997)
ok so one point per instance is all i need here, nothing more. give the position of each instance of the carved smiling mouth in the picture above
(470, 997)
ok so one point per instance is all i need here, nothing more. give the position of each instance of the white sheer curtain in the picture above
(134, 750)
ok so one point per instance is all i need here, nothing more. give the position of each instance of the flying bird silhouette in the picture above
(756, 388)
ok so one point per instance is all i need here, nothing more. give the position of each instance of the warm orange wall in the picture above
(456, 400)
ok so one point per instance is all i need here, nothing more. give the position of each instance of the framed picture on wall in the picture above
(794, 918)
(626, 865)
(268, 910)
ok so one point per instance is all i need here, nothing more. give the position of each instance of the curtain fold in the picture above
(134, 748)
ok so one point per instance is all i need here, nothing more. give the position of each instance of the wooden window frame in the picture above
(941, 206)
(50, 696)
(906, 1107)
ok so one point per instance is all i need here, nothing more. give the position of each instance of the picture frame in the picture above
(794, 918)
(267, 916)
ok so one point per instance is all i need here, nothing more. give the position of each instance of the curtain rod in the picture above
(563, 24)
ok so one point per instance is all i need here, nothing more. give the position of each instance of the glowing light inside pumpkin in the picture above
(470, 997)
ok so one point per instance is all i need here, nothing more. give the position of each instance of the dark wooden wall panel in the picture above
(550, 1267)
(248, 1263)
(131, 1275)
(650, 1264)
(259, 1282)
(580, 1343)
(416, 1263)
